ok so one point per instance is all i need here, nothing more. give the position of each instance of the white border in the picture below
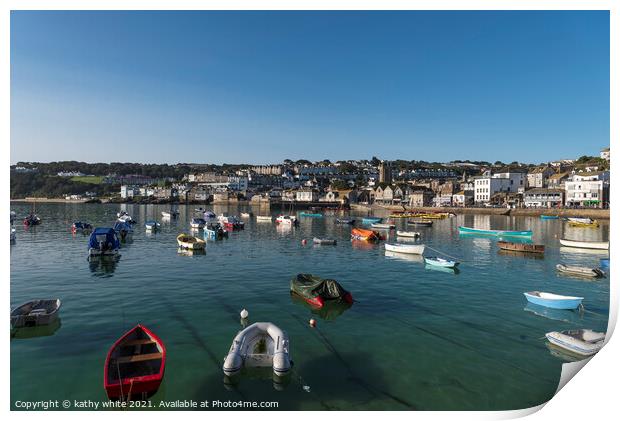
(592, 394)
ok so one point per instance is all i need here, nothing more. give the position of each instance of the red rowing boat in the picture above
(134, 367)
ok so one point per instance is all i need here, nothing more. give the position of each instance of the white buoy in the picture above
(244, 314)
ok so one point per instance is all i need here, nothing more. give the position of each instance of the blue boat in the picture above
(214, 232)
(311, 215)
(604, 263)
(123, 229)
(549, 217)
(547, 299)
(103, 242)
(497, 233)
(371, 220)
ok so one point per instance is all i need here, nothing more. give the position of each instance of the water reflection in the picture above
(188, 252)
(521, 254)
(452, 271)
(563, 354)
(103, 266)
(416, 258)
(331, 310)
(569, 316)
(279, 383)
(36, 331)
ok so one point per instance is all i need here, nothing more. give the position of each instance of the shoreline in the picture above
(583, 213)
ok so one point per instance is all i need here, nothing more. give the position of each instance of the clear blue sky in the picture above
(260, 87)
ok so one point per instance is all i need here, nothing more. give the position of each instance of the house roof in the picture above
(558, 176)
(540, 190)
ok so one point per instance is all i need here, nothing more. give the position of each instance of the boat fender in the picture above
(312, 323)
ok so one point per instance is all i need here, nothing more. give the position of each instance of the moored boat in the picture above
(13, 237)
(311, 214)
(317, 291)
(35, 313)
(604, 263)
(549, 217)
(522, 247)
(103, 242)
(409, 234)
(324, 241)
(215, 231)
(371, 220)
(261, 344)
(593, 224)
(580, 271)
(246, 214)
(420, 222)
(78, 226)
(172, 214)
(286, 220)
(583, 342)
(547, 299)
(134, 366)
(197, 223)
(498, 233)
(365, 235)
(405, 248)
(345, 221)
(190, 242)
(599, 245)
(264, 218)
(231, 222)
(124, 230)
(152, 225)
(440, 262)
(31, 220)
(383, 226)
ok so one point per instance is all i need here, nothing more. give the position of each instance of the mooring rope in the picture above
(441, 252)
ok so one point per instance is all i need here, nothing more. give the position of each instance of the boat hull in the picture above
(521, 247)
(566, 304)
(598, 245)
(405, 248)
(497, 233)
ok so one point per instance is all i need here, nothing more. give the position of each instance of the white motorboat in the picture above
(409, 234)
(405, 248)
(580, 271)
(599, 245)
(264, 218)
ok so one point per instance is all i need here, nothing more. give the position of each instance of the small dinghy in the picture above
(197, 223)
(83, 227)
(172, 214)
(580, 271)
(103, 242)
(405, 248)
(438, 261)
(365, 235)
(599, 245)
(584, 342)
(286, 220)
(311, 214)
(345, 221)
(152, 225)
(420, 222)
(324, 241)
(35, 313)
(190, 242)
(316, 291)
(408, 234)
(261, 344)
(549, 217)
(383, 226)
(264, 218)
(497, 233)
(547, 299)
(371, 220)
(582, 222)
(521, 247)
(134, 366)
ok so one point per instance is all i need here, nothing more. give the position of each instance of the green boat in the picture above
(312, 215)
(497, 233)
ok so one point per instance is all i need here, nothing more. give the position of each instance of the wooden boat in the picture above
(324, 241)
(35, 313)
(135, 364)
(599, 245)
(365, 235)
(264, 218)
(197, 223)
(311, 215)
(405, 248)
(261, 344)
(420, 222)
(103, 242)
(523, 247)
(189, 242)
(345, 221)
(498, 233)
(383, 226)
(371, 220)
(409, 234)
(438, 261)
(549, 217)
(547, 299)
(583, 342)
(580, 271)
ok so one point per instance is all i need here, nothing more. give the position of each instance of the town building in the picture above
(543, 198)
(588, 189)
(385, 172)
(605, 154)
(421, 198)
(556, 181)
(486, 186)
(306, 195)
(463, 198)
(267, 169)
(539, 177)
(128, 191)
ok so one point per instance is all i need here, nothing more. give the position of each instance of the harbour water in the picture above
(415, 338)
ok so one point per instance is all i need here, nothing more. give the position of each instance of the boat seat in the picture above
(145, 341)
(139, 358)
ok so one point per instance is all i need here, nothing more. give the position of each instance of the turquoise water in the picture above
(415, 338)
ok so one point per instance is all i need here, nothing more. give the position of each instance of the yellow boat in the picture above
(432, 215)
(593, 224)
(189, 242)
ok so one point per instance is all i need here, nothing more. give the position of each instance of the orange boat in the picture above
(365, 235)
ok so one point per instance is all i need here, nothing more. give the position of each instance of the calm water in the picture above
(415, 339)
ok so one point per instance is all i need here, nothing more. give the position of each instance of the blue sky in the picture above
(260, 87)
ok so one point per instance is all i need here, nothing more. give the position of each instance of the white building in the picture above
(306, 195)
(588, 189)
(507, 182)
(605, 154)
(543, 198)
(463, 198)
(129, 191)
